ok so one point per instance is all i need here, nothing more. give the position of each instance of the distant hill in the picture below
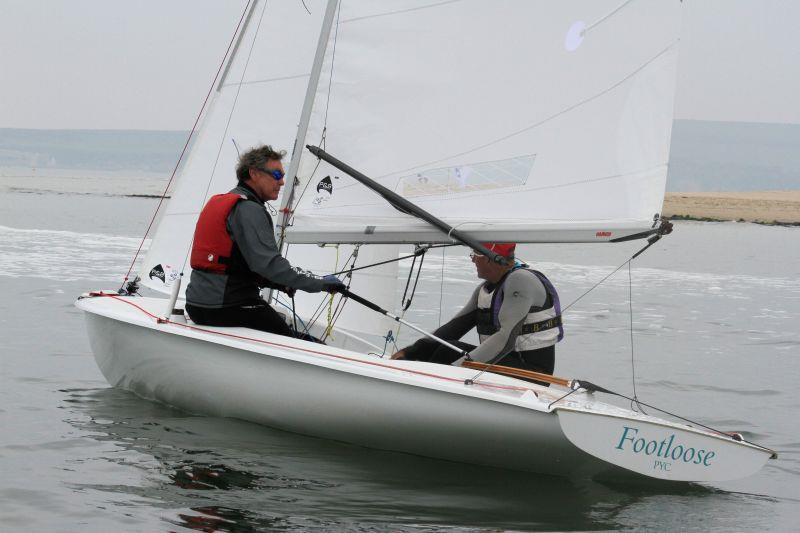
(130, 150)
(706, 156)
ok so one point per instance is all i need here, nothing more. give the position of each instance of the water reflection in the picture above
(214, 474)
(206, 477)
(214, 518)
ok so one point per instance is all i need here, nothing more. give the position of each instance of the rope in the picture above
(330, 78)
(294, 314)
(186, 145)
(633, 367)
(291, 309)
(441, 288)
(393, 260)
(329, 328)
(579, 298)
(407, 303)
(688, 420)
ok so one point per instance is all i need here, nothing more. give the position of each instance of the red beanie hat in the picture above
(506, 249)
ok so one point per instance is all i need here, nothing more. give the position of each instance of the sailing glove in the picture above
(332, 284)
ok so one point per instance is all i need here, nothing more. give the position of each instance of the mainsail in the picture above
(527, 121)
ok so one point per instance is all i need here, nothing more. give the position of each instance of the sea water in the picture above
(715, 336)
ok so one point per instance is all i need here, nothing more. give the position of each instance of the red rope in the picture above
(186, 146)
(327, 354)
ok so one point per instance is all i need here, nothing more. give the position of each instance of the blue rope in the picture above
(305, 328)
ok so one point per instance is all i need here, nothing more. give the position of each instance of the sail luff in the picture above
(305, 115)
(239, 38)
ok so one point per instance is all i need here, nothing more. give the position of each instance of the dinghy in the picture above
(526, 121)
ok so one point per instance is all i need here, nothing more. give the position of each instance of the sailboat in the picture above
(526, 121)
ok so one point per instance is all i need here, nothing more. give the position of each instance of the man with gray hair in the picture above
(234, 253)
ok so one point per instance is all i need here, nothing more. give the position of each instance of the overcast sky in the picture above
(104, 64)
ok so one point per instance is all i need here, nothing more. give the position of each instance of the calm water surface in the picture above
(716, 338)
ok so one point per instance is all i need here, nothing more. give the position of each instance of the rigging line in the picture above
(189, 138)
(407, 303)
(330, 301)
(441, 288)
(315, 315)
(294, 313)
(379, 263)
(550, 405)
(267, 80)
(664, 229)
(318, 311)
(343, 301)
(330, 77)
(605, 17)
(576, 300)
(230, 117)
(679, 417)
(498, 358)
(633, 367)
(305, 6)
(277, 301)
(544, 120)
(399, 11)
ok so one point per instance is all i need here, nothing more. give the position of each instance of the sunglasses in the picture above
(277, 174)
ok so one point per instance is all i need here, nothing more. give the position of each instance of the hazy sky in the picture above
(147, 64)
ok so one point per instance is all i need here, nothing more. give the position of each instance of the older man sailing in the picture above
(234, 253)
(516, 312)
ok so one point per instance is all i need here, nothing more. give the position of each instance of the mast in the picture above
(305, 116)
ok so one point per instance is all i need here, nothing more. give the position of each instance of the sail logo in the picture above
(324, 191)
(663, 451)
(165, 273)
(325, 184)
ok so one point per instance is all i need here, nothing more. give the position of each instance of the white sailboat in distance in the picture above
(525, 121)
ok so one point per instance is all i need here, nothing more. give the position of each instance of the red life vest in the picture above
(212, 246)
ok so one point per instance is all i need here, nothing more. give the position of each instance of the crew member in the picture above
(516, 312)
(234, 253)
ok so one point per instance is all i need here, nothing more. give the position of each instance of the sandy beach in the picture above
(770, 207)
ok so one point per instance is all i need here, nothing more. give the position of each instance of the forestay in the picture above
(257, 102)
(527, 121)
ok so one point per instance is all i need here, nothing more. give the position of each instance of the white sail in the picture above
(524, 120)
(258, 102)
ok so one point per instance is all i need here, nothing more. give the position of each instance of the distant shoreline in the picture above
(780, 208)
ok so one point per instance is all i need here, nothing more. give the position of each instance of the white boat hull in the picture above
(337, 394)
